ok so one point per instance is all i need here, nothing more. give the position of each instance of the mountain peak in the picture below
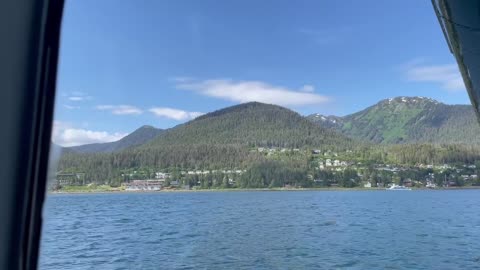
(146, 127)
(141, 135)
(325, 120)
(248, 106)
(409, 100)
(251, 124)
(408, 120)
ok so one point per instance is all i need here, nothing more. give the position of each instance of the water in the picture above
(263, 230)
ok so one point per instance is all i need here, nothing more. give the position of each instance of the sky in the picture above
(125, 63)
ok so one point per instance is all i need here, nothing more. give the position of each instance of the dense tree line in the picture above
(100, 167)
(273, 174)
(431, 154)
(262, 170)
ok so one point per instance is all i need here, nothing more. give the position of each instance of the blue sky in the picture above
(124, 64)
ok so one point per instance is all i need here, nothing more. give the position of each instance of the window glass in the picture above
(260, 135)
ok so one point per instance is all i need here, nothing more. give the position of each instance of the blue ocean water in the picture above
(263, 230)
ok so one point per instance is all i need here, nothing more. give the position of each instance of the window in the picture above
(260, 135)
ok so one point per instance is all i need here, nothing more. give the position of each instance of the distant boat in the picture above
(431, 185)
(396, 187)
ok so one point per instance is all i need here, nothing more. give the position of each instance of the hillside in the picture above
(140, 136)
(226, 138)
(252, 124)
(407, 120)
(232, 139)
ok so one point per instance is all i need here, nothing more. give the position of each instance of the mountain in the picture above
(407, 120)
(253, 124)
(140, 136)
(226, 138)
(229, 140)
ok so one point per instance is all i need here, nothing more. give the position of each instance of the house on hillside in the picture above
(328, 162)
(161, 175)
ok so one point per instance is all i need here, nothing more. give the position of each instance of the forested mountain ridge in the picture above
(273, 146)
(390, 121)
(227, 138)
(140, 136)
(408, 120)
(253, 124)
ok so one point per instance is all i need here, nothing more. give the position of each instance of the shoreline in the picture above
(114, 191)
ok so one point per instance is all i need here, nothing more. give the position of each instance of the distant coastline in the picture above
(85, 190)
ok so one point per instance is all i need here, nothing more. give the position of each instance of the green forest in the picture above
(275, 147)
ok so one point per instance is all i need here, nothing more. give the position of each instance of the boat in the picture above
(397, 187)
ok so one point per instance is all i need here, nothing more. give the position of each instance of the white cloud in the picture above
(175, 114)
(69, 107)
(65, 135)
(246, 91)
(448, 76)
(77, 96)
(120, 109)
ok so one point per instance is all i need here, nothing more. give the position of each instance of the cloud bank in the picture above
(447, 76)
(120, 109)
(78, 96)
(65, 135)
(246, 91)
(175, 114)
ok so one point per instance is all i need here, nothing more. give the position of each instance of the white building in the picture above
(328, 162)
(161, 175)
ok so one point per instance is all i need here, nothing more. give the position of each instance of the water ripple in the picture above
(263, 230)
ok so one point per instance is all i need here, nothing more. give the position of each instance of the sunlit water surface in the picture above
(263, 230)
